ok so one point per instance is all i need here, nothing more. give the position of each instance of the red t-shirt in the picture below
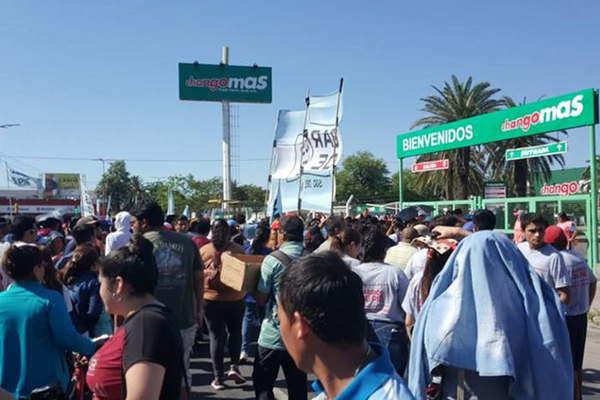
(149, 335)
(200, 241)
(104, 377)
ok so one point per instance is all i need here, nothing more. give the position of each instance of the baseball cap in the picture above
(555, 236)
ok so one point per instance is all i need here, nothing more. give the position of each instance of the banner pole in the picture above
(10, 209)
(304, 137)
(336, 143)
(270, 178)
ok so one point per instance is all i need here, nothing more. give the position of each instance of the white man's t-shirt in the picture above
(384, 287)
(548, 264)
(581, 278)
(416, 263)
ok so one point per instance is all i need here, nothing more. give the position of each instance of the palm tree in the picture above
(457, 100)
(518, 172)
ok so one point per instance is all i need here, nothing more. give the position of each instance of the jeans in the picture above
(188, 336)
(266, 368)
(253, 316)
(224, 318)
(393, 337)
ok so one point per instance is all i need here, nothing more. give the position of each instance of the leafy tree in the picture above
(454, 101)
(116, 184)
(250, 195)
(412, 191)
(364, 176)
(518, 172)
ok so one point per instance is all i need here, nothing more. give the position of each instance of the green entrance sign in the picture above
(563, 112)
(207, 82)
(536, 151)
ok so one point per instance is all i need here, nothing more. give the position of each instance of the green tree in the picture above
(252, 196)
(412, 191)
(116, 184)
(363, 176)
(518, 172)
(454, 101)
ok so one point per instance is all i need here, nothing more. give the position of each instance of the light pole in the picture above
(10, 210)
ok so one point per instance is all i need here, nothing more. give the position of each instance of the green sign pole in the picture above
(400, 184)
(594, 197)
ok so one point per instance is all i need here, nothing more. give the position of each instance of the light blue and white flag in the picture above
(170, 203)
(23, 180)
(317, 154)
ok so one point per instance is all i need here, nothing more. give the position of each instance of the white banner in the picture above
(87, 207)
(23, 180)
(316, 154)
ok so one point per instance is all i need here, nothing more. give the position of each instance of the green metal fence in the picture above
(577, 206)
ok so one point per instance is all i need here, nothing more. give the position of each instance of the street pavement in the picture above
(202, 375)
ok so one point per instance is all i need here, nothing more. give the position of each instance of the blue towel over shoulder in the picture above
(487, 311)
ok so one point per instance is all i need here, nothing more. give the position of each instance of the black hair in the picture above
(260, 238)
(563, 216)
(531, 218)
(134, 263)
(20, 260)
(221, 235)
(334, 225)
(434, 264)
(170, 218)
(21, 225)
(328, 295)
(240, 219)
(374, 243)
(445, 220)
(200, 226)
(293, 228)
(314, 238)
(150, 211)
(50, 274)
(409, 233)
(84, 258)
(83, 234)
(183, 218)
(344, 239)
(484, 220)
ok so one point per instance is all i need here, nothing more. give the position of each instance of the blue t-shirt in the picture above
(377, 381)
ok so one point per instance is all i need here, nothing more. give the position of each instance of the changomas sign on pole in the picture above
(207, 82)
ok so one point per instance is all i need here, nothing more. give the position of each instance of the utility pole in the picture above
(226, 141)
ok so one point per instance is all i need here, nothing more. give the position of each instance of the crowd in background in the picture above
(386, 308)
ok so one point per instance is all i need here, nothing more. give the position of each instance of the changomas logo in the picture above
(564, 109)
(235, 84)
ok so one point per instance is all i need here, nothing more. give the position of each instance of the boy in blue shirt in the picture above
(324, 328)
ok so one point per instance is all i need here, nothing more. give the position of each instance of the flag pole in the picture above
(270, 178)
(10, 209)
(336, 143)
(304, 137)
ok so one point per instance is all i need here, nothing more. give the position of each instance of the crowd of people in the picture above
(424, 308)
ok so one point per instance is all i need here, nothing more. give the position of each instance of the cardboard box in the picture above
(240, 271)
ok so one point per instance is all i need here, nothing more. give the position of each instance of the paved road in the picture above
(202, 376)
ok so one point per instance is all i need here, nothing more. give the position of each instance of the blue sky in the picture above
(99, 79)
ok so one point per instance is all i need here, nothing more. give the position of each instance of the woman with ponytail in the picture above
(438, 252)
(347, 245)
(144, 358)
(81, 279)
